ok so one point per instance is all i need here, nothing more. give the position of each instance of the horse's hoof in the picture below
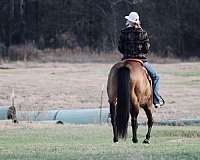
(15, 121)
(146, 141)
(115, 140)
(135, 140)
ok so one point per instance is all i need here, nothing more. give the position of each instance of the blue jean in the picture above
(155, 80)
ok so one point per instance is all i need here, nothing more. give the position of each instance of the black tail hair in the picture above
(123, 102)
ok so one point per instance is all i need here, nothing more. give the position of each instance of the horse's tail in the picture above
(123, 102)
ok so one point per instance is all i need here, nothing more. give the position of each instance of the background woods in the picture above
(173, 25)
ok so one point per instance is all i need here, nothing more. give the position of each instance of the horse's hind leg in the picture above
(150, 124)
(134, 113)
(113, 121)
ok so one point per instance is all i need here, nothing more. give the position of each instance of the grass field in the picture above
(88, 142)
(47, 86)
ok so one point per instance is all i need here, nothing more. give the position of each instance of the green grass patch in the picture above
(182, 73)
(183, 83)
(90, 142)
(187, 74)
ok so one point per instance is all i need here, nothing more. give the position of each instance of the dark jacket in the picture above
(134, 43)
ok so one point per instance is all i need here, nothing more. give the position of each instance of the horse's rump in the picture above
(138, 75)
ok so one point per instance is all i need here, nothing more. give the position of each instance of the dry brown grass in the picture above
(29, 52)
(44, 86)
(77, 56)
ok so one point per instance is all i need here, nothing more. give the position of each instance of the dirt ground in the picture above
(47, 86)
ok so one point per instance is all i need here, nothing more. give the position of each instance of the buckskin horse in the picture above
(129, 89)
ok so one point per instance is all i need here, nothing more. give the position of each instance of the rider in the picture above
(134, 43)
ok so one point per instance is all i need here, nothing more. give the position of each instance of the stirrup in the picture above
(162, 101)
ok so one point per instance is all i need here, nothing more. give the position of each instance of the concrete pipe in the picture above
(83, 116)
(79, 116)
(4, 112)
(37, 115)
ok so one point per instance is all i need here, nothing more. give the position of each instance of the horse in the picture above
(129, 89)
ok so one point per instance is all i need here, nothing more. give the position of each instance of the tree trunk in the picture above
(9, 25)
(22, 21)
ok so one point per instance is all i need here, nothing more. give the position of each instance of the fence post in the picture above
(101, 105)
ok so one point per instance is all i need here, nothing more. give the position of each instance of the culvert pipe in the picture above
(3, 112)
(83, 116)
(180, 122)
(37, 115)
(78, 116)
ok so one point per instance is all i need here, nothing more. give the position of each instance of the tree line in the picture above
(172, 25)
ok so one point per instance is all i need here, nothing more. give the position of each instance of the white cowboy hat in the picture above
(133, 17)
